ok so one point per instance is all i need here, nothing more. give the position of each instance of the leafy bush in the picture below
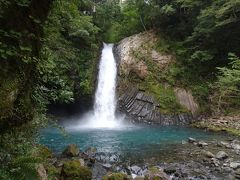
(227, 87)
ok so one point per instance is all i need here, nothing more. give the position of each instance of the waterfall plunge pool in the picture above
(131, 142)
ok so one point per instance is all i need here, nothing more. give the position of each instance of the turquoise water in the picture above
(140, 140)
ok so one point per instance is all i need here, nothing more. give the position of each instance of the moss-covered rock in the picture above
(72, 170)
(155, 173)
(72, 150)
(43, 152)
(52, 171)
(115, 176)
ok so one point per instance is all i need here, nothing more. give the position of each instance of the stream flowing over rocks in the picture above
(193, 159)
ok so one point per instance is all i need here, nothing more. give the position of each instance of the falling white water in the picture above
(105, 102)
(103, 115)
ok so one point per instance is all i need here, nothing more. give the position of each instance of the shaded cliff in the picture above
(147, 91)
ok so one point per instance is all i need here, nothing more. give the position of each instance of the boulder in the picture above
(235, 165)
(208, 154)
(91, 151)
(71, 151)
(41, 172)
(191, 140)
(72, 170)
(235, 146)
(221, 155)
(136, 170)
(170, 170)
(202, 144)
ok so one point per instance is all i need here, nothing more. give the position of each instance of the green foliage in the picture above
(227, 87)
(115, 176)
(67, 53)
(16, 147)
(74, 170)
(164, 95)
(117, 22)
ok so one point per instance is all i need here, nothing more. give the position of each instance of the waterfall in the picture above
(105, 102)
(103, 114)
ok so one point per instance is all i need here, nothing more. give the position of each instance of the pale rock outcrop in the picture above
(185, 98)
(135, 55)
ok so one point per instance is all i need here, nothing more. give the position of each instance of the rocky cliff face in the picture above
(141, 95)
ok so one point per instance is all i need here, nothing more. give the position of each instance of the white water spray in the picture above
(103, 115)
(105, 102)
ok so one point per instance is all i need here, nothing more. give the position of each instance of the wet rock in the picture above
(235, 165)
(191, 140)
(74, 170)
(107, 166)
(237, 174)
(208, 154)
(136, 170)
(221, 155)
(71, 151)
(235, 146)
(170, 169)
(41, 172)
(91, 151)
(224, 144)
(227, 169)
(184, 142)
(98, 171)
(215, 162)
(113, 158)
(202, 144)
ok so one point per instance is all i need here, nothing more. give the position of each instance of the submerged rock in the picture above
(72, 150)
(74, 170)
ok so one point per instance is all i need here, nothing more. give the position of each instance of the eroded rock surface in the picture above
(144, 108)
(139, 62)
(186, 99)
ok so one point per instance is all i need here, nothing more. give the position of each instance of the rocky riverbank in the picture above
(230, 124)
(192, 159)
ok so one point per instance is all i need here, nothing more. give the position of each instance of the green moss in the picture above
(213, 128)
(8, 92)
(43, 152)
(153, 170)
(115, 176)
(72, 170)
(52, 172)
(164, 95)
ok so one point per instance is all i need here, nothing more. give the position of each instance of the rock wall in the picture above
(143, 108)
(140, 105)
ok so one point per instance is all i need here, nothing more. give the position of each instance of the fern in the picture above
(24, 168)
